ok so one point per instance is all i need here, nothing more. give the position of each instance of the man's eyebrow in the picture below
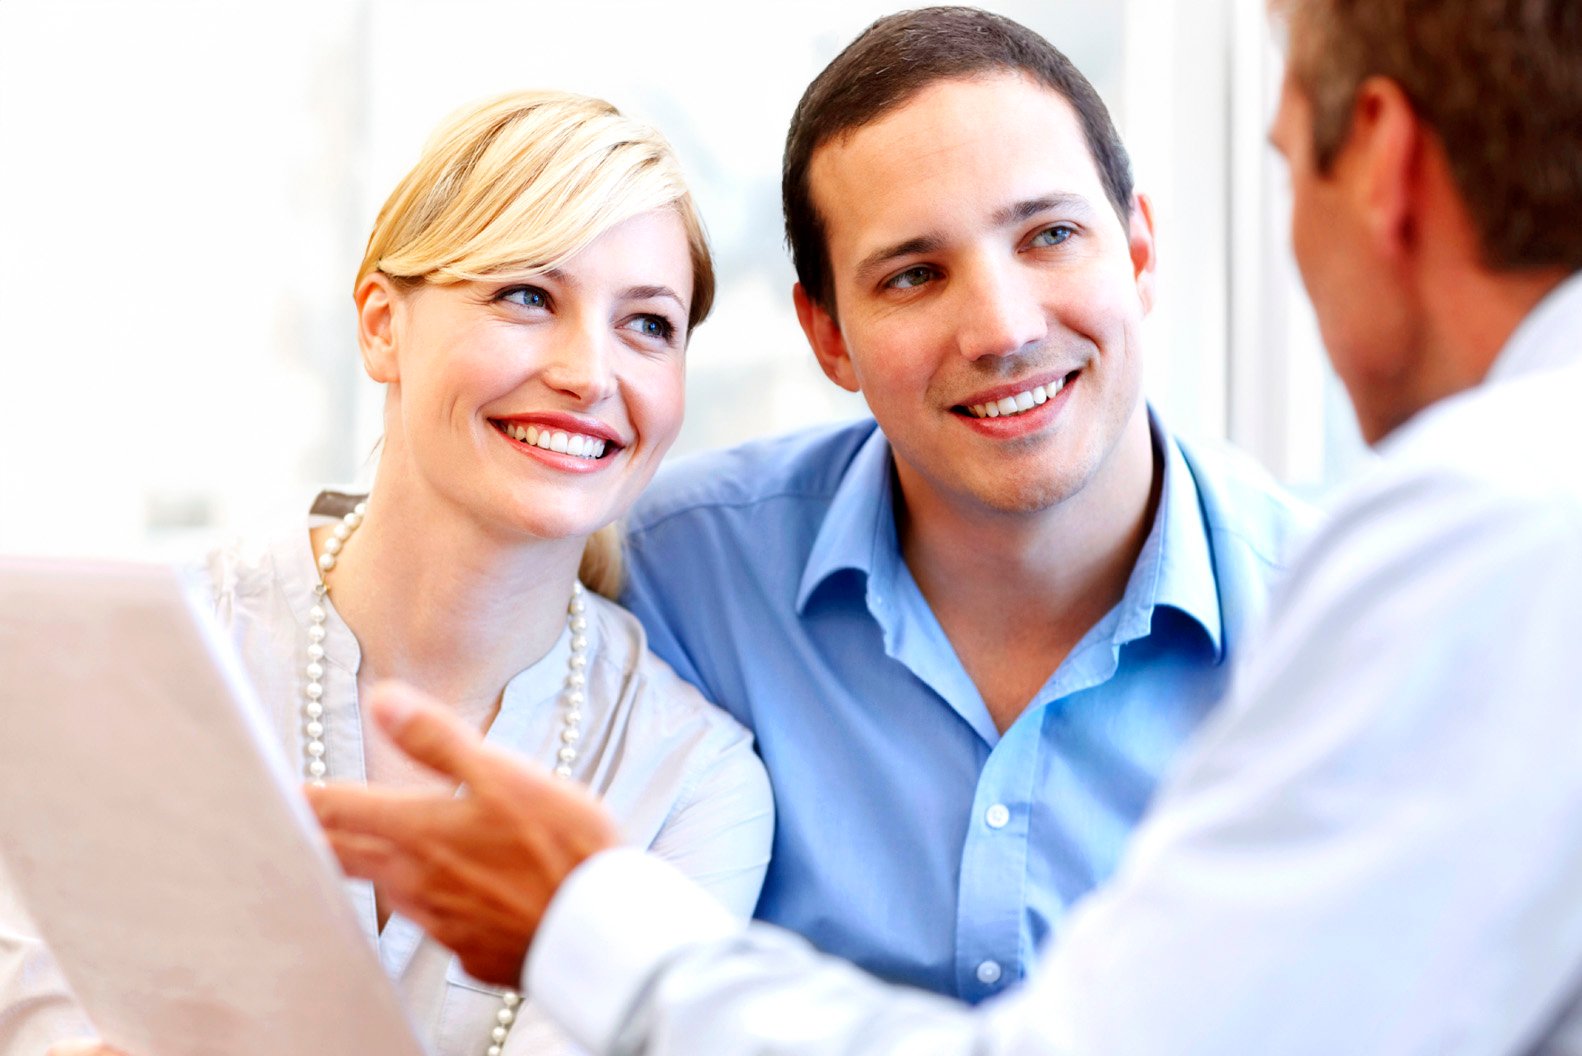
(1010, 214)
(1030, 208)
(884, 254)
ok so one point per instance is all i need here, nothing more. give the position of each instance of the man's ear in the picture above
(1385, 147)
(824, 336)
(376, 327)
(1140, 243)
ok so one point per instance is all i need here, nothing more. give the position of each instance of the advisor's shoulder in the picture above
(806, 464)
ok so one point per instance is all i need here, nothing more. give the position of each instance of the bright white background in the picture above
(186, 186)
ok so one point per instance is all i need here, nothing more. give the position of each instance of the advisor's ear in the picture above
(1385, 144)
(1140, 243)
(824, 337)
(376, 326)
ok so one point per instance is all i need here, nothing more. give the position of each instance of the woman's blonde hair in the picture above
(519, 184)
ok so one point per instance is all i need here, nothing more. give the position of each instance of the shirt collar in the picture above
(1175, 567)
(1546, 338)
(858, 532)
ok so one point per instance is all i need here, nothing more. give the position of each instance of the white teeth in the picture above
(1020, 403)
(579, 445)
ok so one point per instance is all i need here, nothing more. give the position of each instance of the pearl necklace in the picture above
(571, 700)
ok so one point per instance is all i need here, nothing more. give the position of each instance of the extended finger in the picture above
(362, 856)
(401, 815)
(425, 730)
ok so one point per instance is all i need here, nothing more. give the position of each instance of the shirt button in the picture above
(989, 973)
(997, 817)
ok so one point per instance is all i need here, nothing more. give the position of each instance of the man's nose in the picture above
(998, 311)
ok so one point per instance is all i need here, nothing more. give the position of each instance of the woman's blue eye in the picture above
(911, 277)
(1053, 236)
(655, 326)
(526, 296)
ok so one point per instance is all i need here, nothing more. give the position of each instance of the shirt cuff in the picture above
(614, 923)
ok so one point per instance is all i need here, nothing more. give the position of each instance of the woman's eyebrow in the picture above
(643, 293)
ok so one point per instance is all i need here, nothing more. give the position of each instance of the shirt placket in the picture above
(992, 890)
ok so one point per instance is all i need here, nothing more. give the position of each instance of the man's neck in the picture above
(1015, 591)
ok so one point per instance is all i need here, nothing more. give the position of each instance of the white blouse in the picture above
(679, 776)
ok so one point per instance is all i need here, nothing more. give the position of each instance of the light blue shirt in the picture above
(912, 837)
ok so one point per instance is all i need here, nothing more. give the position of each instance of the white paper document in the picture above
(159, 842)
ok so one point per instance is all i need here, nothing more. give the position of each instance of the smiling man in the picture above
(970, 632)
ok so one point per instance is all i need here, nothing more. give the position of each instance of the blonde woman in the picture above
(526, 300)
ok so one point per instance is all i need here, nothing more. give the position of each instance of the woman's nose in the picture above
(581, 362)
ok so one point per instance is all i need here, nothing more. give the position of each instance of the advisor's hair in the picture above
(1499, 82)
(519, 184)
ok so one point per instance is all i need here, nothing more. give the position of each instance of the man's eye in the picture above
(911, 277)
(526, 296)
(1053, 236)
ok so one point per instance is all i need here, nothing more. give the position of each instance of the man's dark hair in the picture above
(1499, 82)
(893, 60)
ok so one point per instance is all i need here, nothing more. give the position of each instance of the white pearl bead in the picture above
(511, 998)
(315, 729)
(353, 520)
(316, 768)
(579, 643)
(315, 651)
(317, 614)
(316, 749)
(571, 717)
(498, 1034)
(578, 662)
(562, 770)
(567, 755)
(576, 681)
(326, 561)
(315, 670)
(505, 1016)
(494, 1050)
(332, 545)
(579, 624)
(570, 735)
(314, 709)
(341, 532)
(315, 634)
(314, 690)
(361, 508)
